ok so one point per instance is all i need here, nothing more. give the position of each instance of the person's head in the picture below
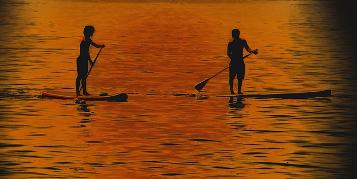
(88, 31)
(235, 33)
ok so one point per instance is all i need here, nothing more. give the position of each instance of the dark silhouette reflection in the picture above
(237, 65)
(84, 58)
(84, 111)
(83, 108)
(236, 102)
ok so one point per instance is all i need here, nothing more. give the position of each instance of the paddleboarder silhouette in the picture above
(237, 65)
(84, 58)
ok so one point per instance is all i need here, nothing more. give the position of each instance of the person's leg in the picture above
(84, 84)
(231, 85)
(232, 74)
(79, 76)
(84, 79)
(78, 80)
(240, 83)
(240, 77)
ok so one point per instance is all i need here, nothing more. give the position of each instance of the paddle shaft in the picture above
(225, 68)
(91, 67)
(202, 84)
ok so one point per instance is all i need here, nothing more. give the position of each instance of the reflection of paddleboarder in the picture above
(84, 57)
(238, 104)
(237, 66)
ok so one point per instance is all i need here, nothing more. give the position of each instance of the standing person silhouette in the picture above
(237, 65)
(84, 57)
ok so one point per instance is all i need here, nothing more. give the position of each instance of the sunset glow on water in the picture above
(157, 52)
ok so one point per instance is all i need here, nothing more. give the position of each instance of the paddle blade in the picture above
(201, 85)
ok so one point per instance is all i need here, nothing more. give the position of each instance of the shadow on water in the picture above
(7, 67)
(342, 11)
(10, 27)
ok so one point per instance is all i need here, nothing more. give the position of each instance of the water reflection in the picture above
(236, 102)
(173, 135)
(84, 110)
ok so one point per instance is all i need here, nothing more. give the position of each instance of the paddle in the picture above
(91, 67)
(203, 83)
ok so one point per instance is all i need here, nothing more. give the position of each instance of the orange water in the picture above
(155, 52)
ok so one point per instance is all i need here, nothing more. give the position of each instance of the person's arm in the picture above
(96, 45)
(246, 46)
(229, 50)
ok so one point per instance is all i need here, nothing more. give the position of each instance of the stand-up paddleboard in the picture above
(121, 97)
(301, 95)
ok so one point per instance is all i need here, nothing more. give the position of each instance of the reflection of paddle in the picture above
(203, 83)
(90, 69)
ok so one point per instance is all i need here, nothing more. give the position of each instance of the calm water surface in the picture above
(156, 52)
